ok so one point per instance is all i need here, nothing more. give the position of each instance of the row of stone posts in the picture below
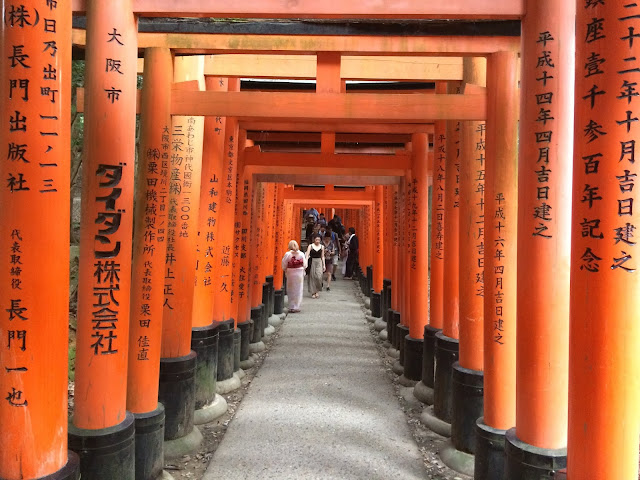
(523, 329)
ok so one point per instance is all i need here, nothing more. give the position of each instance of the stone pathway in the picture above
(321, 406)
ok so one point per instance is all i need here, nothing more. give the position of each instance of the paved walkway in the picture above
(321, 406)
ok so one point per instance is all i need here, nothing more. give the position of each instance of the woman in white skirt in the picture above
(294, 264)
(316, 262)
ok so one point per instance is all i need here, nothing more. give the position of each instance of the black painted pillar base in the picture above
(149, 443)
(278, 302)
(256, 335)
(177, 392)
(385, 299)
(429, 355)
(237, 347)
(526, 462)
(246, 332)
(369, 286)
(391, 324)
(70, 471)
(468, 406)
(107, 453)
(446, 355)
(266, 296)
(489, 461)
(226, 350)
(413, 348)
(204, 341)
(375, 304)
(264, 319)
(270, 303)
(401, 332)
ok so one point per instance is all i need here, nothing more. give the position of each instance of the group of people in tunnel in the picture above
(328, 242)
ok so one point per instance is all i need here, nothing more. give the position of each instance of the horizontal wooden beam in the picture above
(374, 128)
(298, 178)
(311, 137)
(330, 107)
(303, 67)
(334, 196)
(339, 9)
(434, 46)
(327, 162)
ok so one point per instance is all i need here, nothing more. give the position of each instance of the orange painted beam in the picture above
(293, 178)
(339, 9)
(340, 127)
(431, 46)
(313, 137)
(330, 107)
(336, 196)
(328, 161)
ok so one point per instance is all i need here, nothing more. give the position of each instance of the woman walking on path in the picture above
(329, 254)
(315, 261)
(294, 263)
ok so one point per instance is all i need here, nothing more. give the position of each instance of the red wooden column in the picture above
(34, 239)
(501, 207)
(544, 220)
(419, 259)
(148, 268)
(180, 368)
(377, 240)
(424, 389)
(279, 251)
(104, 276)
(446, 348)
(257, 240)
(467, 375)
(397, 286)
(605, 305)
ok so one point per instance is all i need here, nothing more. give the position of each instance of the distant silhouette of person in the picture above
(353, 249)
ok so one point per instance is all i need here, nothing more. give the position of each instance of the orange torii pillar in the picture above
(377, 239)
(179, 361)
(280, 249)
(34, 226)
(394, 313)
(205, 332)
(605, 305)
(438, 418)
(243, 247)
(385, 298)
(148, 268)
(467, 376)
(267, 259)
(501, 206)
(402, 328)
(257, 237)
(102, 430)
(223, 280)
(537, 445)
(423, 390)
(419, 260)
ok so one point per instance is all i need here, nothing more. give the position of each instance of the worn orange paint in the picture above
(34, 239)
(472, 213)
(544, 236)
(330, 107)
(501, 230)
(108, 177)
(186, 145)
(604, 422)
(149, 242)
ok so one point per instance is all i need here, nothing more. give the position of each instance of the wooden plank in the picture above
(335, 195)
(307, 137)
(340, 127)
(331, 107)
(361, 45)
(254, 157)
(290, 178)
(339, 9)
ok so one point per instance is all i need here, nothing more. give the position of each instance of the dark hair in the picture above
(329, 228)
(352, 230)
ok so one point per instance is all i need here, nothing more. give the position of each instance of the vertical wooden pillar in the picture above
(376, 237)
(237, 229)
(501, 206)
(467, 376)
(544, 220)
(244, 277)
(148, 265)
(605, 305)
(104, 275)
(34, 239)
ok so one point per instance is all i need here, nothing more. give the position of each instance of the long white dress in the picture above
(295, 278)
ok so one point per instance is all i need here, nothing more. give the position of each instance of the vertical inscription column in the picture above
(104, 276)
(34, 239)
(544, 243)
(605, 305)
(149, 248)
(501, 206)
(377, 237)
